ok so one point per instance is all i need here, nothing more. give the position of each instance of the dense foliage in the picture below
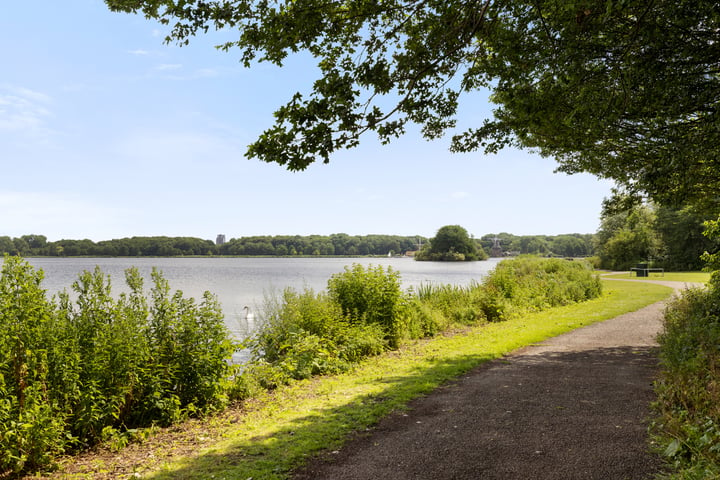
(364, 312)
(369, 295)
(530, 283)
(667, 237)
(340, 244)
(281, 245)
(626, 90)
(451, 243)
(567, 245)
(335, 244)
(88, 366)
(688, 391)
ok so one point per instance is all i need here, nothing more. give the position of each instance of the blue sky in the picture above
(106, 132)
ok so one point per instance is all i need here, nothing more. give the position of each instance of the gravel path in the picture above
(573, 407)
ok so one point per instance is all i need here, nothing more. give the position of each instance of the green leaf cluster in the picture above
(451, 243)
(74, 368)
(532, 284)
(667, 237)
(626, 90)
(369, 295)
(306, 334)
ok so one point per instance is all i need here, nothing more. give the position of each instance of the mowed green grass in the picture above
(690, 277)
(277, 433)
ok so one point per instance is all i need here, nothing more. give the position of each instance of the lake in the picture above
(240, 282)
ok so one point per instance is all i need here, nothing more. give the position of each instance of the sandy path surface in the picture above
(573, 407)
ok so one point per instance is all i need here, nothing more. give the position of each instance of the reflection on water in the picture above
(244, 282)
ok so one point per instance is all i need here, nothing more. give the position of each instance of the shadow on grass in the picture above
(274, 455)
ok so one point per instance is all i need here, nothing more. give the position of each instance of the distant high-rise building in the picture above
(220, 239)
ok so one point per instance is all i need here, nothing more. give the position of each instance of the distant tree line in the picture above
(37, 245)
(567, 245)
(336, 244)
(339, 244)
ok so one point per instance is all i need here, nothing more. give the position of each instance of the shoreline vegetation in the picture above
(140, 385)
(274, 433)
(98, 368)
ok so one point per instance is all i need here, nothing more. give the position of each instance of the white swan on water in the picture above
(249, 317)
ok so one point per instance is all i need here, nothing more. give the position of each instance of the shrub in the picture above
(370, 295)
(531, 283)
(190, 344)
(74, 371)
(305, 334)
(31, 428)
(688, 390)
(422, 319)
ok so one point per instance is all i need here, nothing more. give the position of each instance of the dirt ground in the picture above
(573, 407)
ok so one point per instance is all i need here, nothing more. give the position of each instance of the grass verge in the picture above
(690, 277)
(272, 435)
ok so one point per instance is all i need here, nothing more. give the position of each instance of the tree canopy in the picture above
(671, 238)
(451, 243)
(624, 89)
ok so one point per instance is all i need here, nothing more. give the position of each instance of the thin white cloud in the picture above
(139, 52)
(23, 110)
(206, 73)
(32, 94)
(168, 66)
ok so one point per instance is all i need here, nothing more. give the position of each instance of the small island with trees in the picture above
(451, 243)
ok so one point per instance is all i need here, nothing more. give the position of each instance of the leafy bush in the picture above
(306, 334)
(688, 390)
(74, 371)
(370, 295)
(531, 283)
(31, 428)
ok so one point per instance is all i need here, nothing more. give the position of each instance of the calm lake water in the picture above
(240, 282)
